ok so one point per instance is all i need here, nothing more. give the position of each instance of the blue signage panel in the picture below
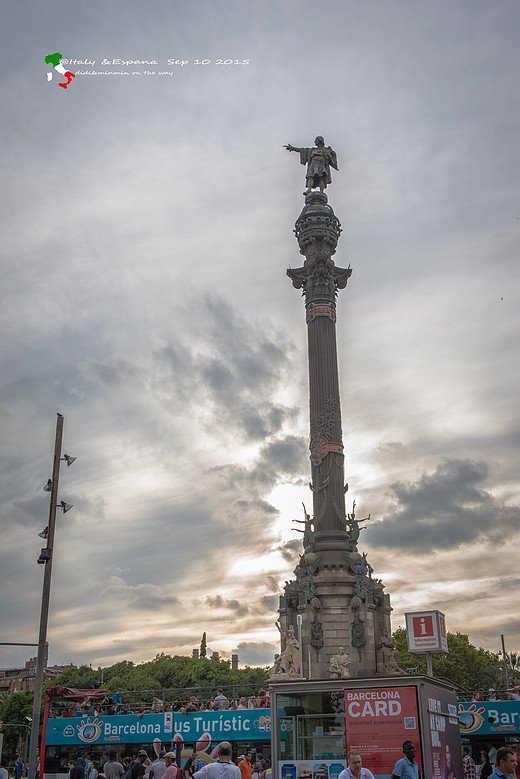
(489, 717)
(249, 724)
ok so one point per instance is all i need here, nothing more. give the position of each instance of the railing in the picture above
(166, 699)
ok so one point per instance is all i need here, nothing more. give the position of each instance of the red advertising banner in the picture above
(378, 720)
(444, 733)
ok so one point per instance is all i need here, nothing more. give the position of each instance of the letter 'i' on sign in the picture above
(423, 627)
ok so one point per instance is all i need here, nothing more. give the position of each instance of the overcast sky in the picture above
(148, 225)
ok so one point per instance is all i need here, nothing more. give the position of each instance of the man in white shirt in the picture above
(158, 768)
(355, 770)
(223, 768)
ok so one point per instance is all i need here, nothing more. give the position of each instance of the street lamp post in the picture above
(46, 591)
(505, 661)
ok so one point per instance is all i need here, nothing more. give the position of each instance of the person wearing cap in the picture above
(223, 768)
(139, 768)
(172, 770)
(492, 694)
(76, 768)
(244, 764)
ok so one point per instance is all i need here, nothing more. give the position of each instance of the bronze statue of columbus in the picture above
(319, 160)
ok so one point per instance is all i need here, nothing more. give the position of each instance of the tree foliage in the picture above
(165, 672)
(463, 665)
(203, 645)
(82, 678)
(13, 710)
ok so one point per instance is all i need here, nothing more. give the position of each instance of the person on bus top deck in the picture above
(223, 768)
(406, 767)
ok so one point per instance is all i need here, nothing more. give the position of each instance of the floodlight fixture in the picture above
(44, 532)
(68, 459)
(48, 486)
(64, 506)
(45, 555)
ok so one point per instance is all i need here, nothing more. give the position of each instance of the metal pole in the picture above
(24, 773)
(299, 621)
(505, 661)
(429, 664)
(46, 591)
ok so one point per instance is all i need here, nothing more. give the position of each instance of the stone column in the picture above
(341, 605)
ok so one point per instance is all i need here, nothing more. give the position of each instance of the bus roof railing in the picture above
(168, 694)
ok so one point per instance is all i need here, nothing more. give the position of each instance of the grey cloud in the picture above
(268, 604)
(389, 450)
(291, 550)
(236, 367)
(218, 602)
(106, 264)
(140, 596)
(287, 456)
(119, 372)
(445, 509)
(271, 584)
(256, 653)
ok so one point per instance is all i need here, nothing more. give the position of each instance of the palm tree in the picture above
(492, 677)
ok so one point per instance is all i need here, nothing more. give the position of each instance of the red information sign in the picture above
(378, 720)
(426, 632)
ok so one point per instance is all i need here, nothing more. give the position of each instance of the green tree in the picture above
(13, 710)
(165, 672)
(82, 678)
(203, 646)
(463, 665)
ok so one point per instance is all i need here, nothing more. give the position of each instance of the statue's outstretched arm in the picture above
(291, 148)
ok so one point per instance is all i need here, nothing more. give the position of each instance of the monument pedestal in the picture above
(337, 618)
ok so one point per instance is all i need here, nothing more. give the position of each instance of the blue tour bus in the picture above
(127, 733)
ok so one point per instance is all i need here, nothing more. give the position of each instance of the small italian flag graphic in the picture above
(54, 60)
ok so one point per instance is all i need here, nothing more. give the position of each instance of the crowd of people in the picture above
(512, 694)
(489, 760)
(501, 763)
(165, 766)
(111, 705)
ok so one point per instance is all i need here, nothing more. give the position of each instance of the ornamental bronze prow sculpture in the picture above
(319, 160)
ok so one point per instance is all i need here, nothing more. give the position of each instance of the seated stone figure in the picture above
(339, 665)
(387, 656)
